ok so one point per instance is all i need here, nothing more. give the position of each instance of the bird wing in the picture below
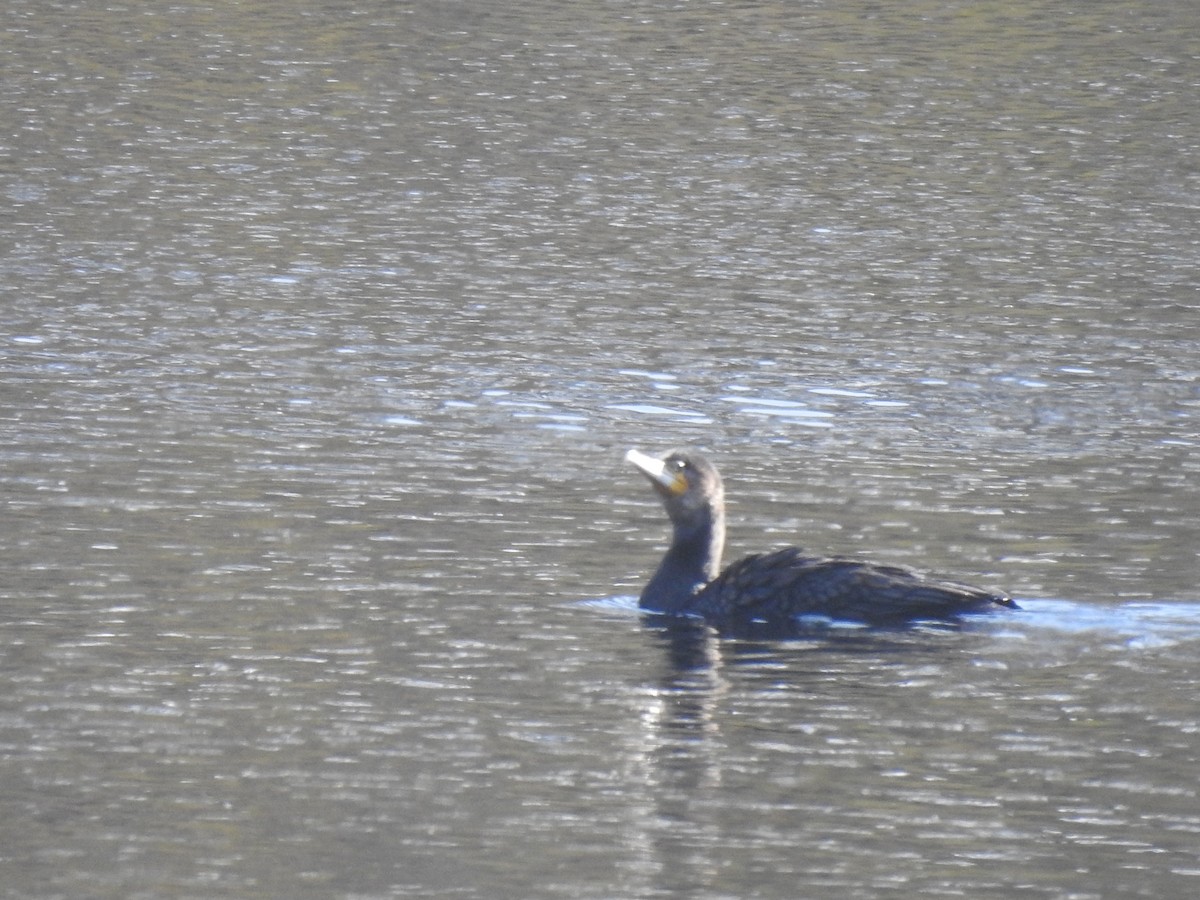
(787, 584)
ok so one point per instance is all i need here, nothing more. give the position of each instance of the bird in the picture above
(780, 588)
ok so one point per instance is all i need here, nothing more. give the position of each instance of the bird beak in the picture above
(656, 470)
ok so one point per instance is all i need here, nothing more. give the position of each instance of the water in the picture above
(325, 331)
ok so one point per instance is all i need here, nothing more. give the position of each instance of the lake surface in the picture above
(324, 332)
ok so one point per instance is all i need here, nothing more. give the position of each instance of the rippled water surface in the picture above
(326, 326)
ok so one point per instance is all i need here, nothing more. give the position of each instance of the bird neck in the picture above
(693, 560)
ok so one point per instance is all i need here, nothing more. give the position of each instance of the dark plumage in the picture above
(783, 586)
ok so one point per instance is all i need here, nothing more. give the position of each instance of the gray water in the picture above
(325, 328)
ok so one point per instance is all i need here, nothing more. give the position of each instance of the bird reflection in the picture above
(700, 714)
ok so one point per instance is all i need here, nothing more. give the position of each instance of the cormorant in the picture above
(778, 588)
